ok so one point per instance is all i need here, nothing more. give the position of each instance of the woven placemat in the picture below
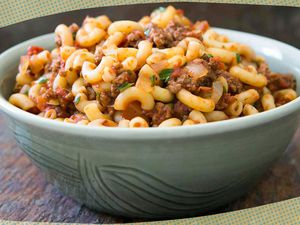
(14, 11)
(284, 212)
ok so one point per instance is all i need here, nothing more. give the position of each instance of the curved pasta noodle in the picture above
(21, 101)
(248, 97)
(123, 123)
(254, 79)
(92, 73)
(144, 50)
(193, 50)
(82, 102)
(101, 22)
(50, 114)
(92, 112)
(176, 61)
(212, 39)
(134, 94)
(215, 116)
(195, 102)
(78, 87)
(102, 123)
(197, 117)
(235, 108)
(64, 34)
(23, 77)
(188, 122)
(268, 102)
(249, 110)
(144, 78)
(66, 51)
(138, 122)
(34, 91)
(162, 94)
(77, 58)
(162, 19)
(224, 55)
(89, 35)
(172, 122)
(114, 40)
(130, 63)
(124, 26)
(59, 82)
(38, 61)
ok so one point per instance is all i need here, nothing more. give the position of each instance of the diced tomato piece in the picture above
(33, 50)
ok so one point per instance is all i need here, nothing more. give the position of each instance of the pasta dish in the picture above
(161, 71)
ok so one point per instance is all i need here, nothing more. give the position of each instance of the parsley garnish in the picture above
(152, 78)
(164, 75)
(74, 35)
(209, 55)
(42, 80)
(147, 32)
(238, 57)
(77, 99)
(124, 86)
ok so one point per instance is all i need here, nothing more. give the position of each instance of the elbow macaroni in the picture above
(162, 71)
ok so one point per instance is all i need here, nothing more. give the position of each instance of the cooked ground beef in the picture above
(224, 101)
(91, 94)
(133, 39)
(277, 81)
(64, 97)
(160, 113)
(181, 111)
(158, 36)
(171, 35)
(235, 86)
(53, 66)
(264, 69)
(61, 113)
(122, 77)
(180, 78)
(98, 55)
(105, 99)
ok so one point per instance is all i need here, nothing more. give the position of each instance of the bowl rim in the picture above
(210, 128)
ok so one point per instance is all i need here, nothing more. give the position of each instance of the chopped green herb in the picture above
(238, 57)
(152, 78)
(26, 92)
(147, 32)
(209, 55)
(164, 75)
(77, 99)
(74, 35)
(42, 80)
(124, 86)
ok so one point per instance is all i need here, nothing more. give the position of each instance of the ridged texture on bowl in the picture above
(169, 178)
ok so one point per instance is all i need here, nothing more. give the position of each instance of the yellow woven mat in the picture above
(284, 212)
(14, 11)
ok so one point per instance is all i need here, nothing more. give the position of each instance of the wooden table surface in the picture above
(26, 196)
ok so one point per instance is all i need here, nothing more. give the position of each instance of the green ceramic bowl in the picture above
(156, 172)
